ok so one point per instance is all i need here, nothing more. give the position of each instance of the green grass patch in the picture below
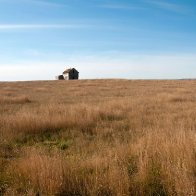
(50, 139)
(154, 182)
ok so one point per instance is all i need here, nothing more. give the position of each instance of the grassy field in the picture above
(98, 137)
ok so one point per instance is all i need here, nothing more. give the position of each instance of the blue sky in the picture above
(134, 39)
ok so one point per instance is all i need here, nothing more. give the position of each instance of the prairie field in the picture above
(98, 138)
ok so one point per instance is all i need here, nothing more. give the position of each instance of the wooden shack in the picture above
(69, 74)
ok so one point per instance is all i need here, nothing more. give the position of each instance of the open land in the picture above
(98, 137)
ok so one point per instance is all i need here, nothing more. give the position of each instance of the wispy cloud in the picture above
(45, 3)
(67, 26)
(40, 26)
(120, 6)
(168, 6)
(36, 2)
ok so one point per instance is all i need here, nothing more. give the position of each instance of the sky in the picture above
(131, 39)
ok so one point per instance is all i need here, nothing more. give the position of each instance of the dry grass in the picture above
(15, 100)
(98, 137)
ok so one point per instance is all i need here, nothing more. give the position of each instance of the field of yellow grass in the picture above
(98, 137)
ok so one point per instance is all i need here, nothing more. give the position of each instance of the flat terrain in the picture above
(98, 137)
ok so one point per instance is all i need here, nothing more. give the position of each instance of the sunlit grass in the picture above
(99, 137)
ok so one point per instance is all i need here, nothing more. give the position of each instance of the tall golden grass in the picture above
(98, 137)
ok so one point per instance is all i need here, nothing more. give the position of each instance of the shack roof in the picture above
(68, 70)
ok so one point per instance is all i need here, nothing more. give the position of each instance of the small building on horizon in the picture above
(69, 74)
